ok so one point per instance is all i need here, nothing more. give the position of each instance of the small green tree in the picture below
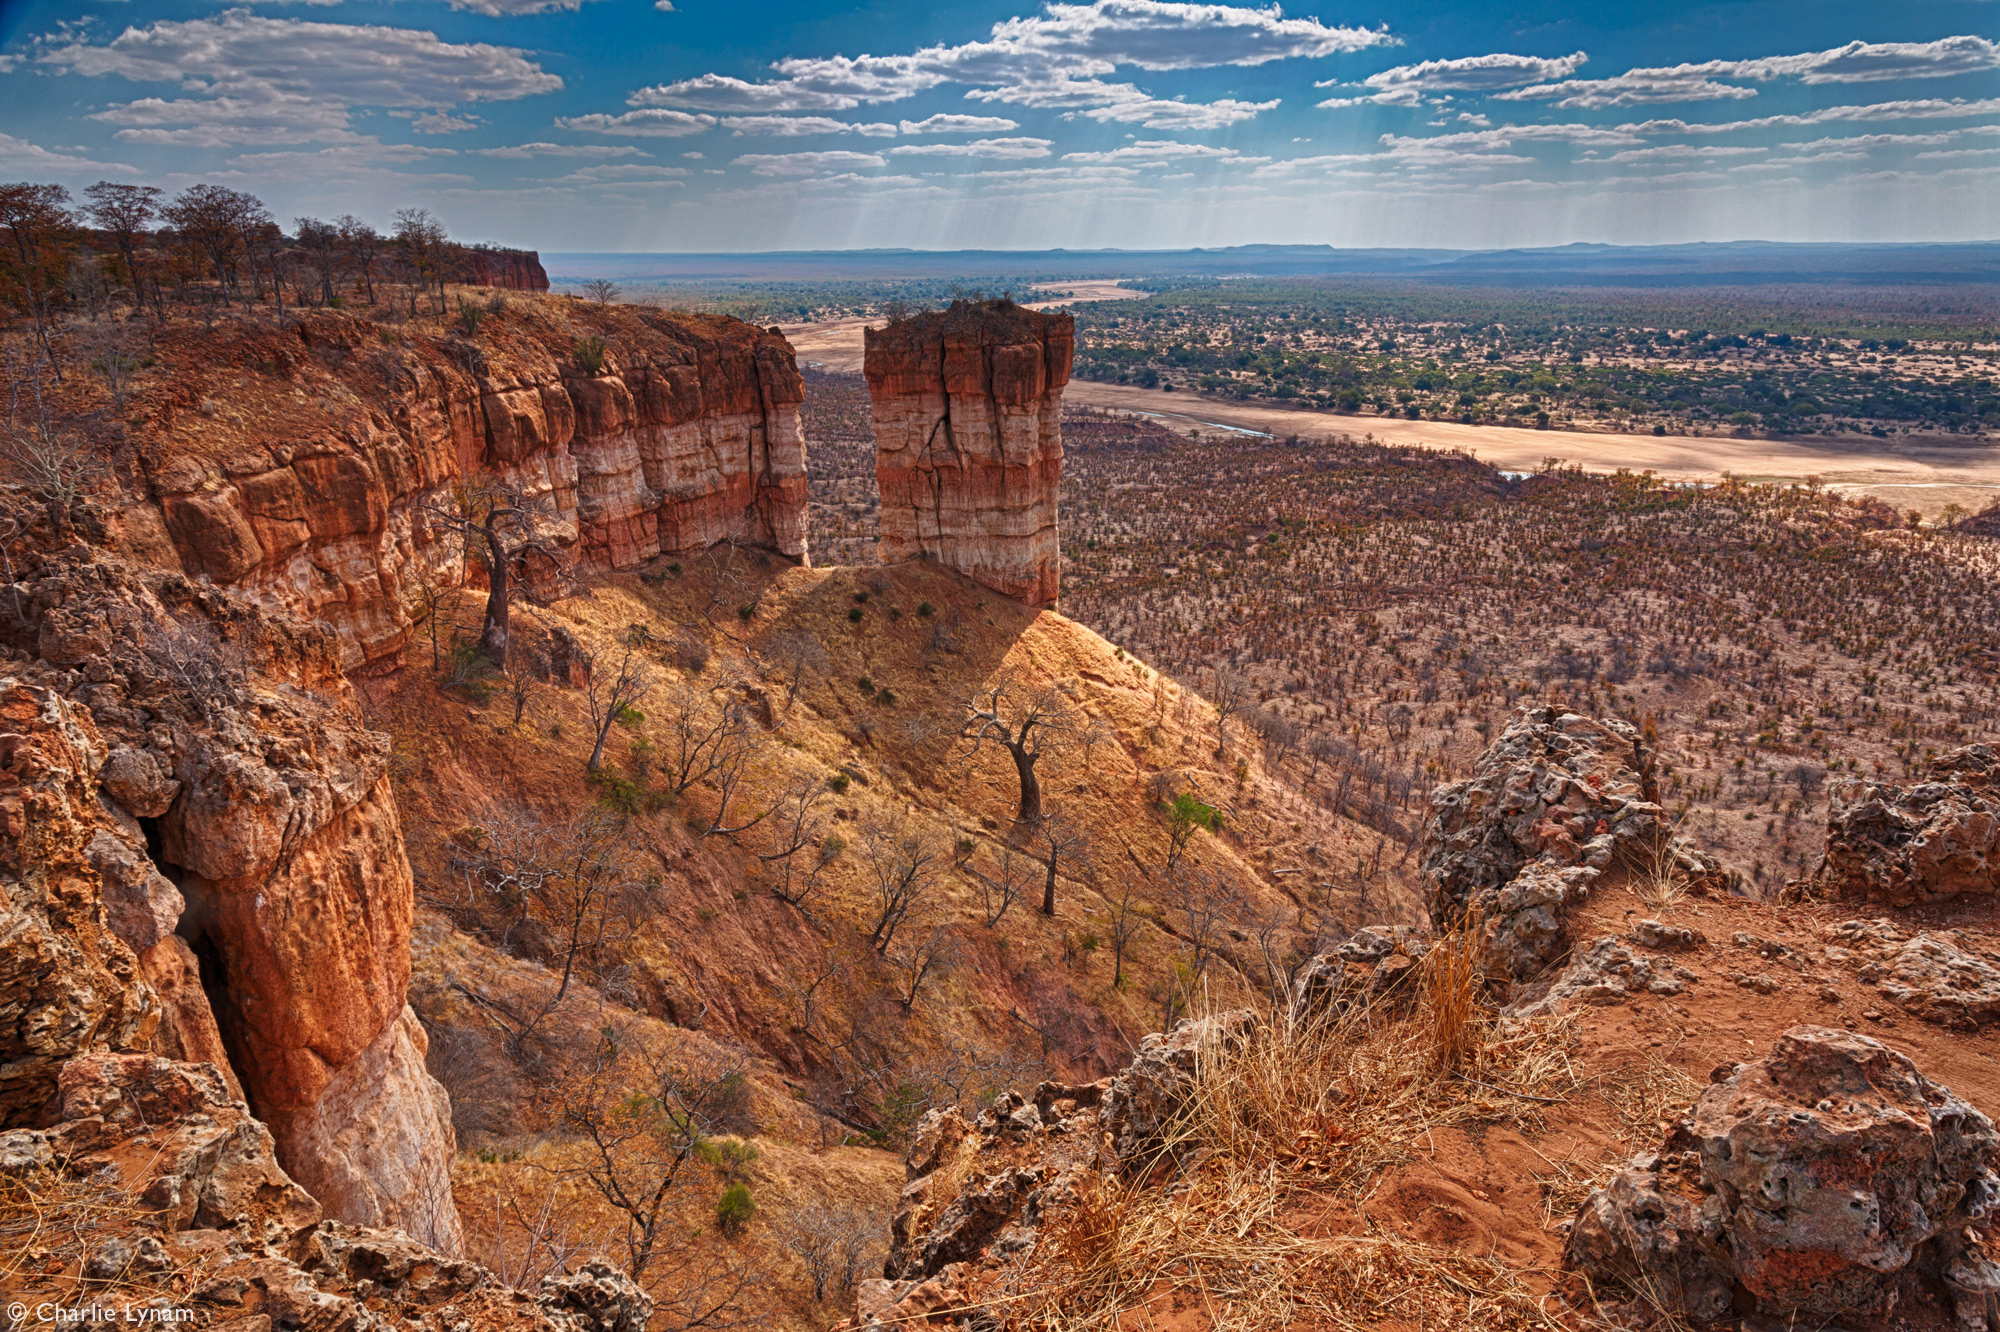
(734, 1209)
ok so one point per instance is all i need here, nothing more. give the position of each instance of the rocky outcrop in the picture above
(1510, 850)
(968, 441)
(1824, 1180)
(159, 1192)
(515, 270)
(1940, 976)
(251, 907)
(313, 485)
(1901, 845)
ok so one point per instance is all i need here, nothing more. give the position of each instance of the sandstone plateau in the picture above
(514, 270)
(968, 433)
(313, 481)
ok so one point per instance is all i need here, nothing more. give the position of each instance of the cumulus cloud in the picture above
(1856, 62)
(18, 155)
(443, 122)
(526, 150)
(1406, 85)
(254, 79)
(793, 127)
(1164, 152)
(653, 122)
(805, 164)
(1053, 59)
(1013, 149)
(1955, 108)
(1155, 114)
(624, 173)
(950, 124)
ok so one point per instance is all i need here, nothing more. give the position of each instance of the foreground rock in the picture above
(1549, 806)
(187, 786)
(1902, 845)
(160, 1192)
(1828, 1180)
(968, 438)
(978, 1190)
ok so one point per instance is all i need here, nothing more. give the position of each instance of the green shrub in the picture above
(469, 316)
(630, 717)
(925, 609)
(734, 1209)
(854, 616)
(588, 353)
(838, 783)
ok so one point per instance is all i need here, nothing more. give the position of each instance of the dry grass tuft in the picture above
(1304, 1111)
(1658, 880)
(1454, 1018)
(52, 1223)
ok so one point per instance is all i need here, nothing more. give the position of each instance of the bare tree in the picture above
(1127, 915)
(324, 251)
(609, 696)
(55, 466)
(1027, 723)
(801, 658)
(733, 766)
(1229, 692)
(602, 290)
(424, 248)
(1062, 840)
(197, 663)
(797, 825)
(1209, 903)
(363, 245)
(902, 864)
(219, 222)
(502, 553)
(702, 734)
(562, 876)
(999, 889)
(915, 961)
(124, 212)
(36, 263)
(639, 1122)
(829, 1240)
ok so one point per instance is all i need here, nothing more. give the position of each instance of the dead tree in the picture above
(1062, 839)
(610, 698)
(903, 865)
(1027, 723)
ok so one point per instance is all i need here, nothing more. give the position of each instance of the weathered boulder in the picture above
(1510, 850)
(1901, 845)
(1820, 1178)
(968, 438)
(1940, 976)
(1376, 964)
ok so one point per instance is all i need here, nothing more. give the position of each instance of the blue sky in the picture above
(713, 125)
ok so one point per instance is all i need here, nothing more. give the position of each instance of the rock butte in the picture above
(968, 440)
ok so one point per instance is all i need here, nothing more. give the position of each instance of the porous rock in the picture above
(1925, 842)
(1821, 1179)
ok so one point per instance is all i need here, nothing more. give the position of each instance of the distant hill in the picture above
(1735, 263)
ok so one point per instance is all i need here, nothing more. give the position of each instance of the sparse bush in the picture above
(589, 353)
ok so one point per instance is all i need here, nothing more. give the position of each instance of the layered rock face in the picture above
(1824, 1180)
(515, 270)
(1902, 845)
(313, 489)
(968, 438)
(201, 859)
(1549, 806)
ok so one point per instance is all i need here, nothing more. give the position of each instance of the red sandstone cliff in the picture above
(968, 436)
(515, 270)
(200, 858)
(306, 481)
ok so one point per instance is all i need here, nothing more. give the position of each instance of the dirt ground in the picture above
(1912, 472)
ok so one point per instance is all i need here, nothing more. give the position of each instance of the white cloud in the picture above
(1856, 62)
(1053, 59)
(1163, 152)
(1406, 84)
(441, 122)
(623, 173)
(1001, 148)
(652, 123)
(1155, 114)
(1956, 108)
(252, 79)
(1680, 152)
(792, 127)
(950, 124)
(805, 164)
(524, 150)
(18, 155)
